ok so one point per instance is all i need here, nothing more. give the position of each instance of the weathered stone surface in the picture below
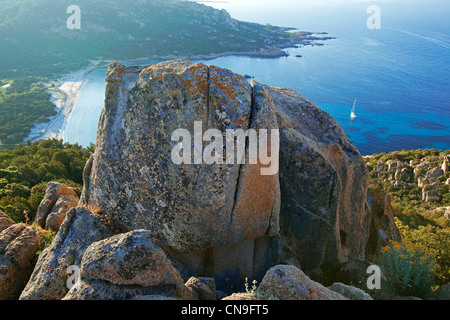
(18, 246)
(195, 211)
(203, 291)
(133, 178)
(382, 228)
(323, 181)
(80, 229)
(125, 266)
(53, 191)
(350, 292)
(5, 221)
(58, 213)
(92, 289)
(129, 259)
(241, 296)
(290, 283)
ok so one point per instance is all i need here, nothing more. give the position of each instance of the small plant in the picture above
(48, 236)
(251, 290)
(408, 268)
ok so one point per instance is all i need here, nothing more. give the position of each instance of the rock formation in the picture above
(125, 266)
(5, 221)
(53, 208)
(18, 246)
(154, 222)
(382, 228)
(79, 230)
(323, 182)
(284, 282)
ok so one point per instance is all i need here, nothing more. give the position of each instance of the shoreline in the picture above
(67, 91)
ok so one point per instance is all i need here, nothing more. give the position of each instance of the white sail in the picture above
(353, 114)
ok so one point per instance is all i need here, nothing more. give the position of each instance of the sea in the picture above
(398, 72)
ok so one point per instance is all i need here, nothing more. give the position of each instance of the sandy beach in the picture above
(65, 94)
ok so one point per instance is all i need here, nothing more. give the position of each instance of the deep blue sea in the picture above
(399, 74)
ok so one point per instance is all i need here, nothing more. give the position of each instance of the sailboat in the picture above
(353, 114)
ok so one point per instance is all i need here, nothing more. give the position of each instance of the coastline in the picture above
(67, 90)
(65, 93)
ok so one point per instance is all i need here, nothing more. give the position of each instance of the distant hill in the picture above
(35, 39)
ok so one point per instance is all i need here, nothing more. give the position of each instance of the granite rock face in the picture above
(383, 228)
(79, 230)
(126, 266)
(18, 246)
(324, 184)
(188, 208)
(57, 201)
(321, 187)
(134, 180)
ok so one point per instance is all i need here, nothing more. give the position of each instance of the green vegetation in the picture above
(408, 268)
(26, 170)
(24, 102)
(48, 236)
(251, 290)
(406, 176)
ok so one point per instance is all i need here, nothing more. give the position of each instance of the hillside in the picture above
(37, 46)
(35, 39)
(419, 184)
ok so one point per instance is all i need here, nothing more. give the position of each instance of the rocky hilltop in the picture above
(146, 227)
(424, 175)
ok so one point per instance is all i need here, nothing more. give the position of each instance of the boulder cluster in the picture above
(147, 228)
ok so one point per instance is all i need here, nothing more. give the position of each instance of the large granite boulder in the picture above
(189, 206)
(196, 208)
(19, 244)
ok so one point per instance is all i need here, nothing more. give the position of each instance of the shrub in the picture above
(408, 268)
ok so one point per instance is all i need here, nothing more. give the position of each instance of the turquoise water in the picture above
(398, 74)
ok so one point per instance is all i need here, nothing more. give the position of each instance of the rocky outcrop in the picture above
(350, 292)
(125, 266)
(5, 221)
(188, 208)
(424, 179)
(79, 230)
(382, 228)
(145, 221)
(285, 282)
(204, 291)
(18, 246)
(134, 180)
(57, 201)
(210, 211)
(323, 182)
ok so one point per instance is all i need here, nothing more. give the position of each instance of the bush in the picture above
(408, 268)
